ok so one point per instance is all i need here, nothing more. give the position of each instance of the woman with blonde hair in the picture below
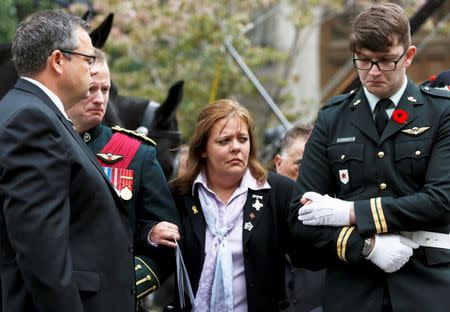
(234, 216)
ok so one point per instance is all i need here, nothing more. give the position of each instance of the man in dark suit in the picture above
(305, 287)
(140, 180)
(65, 238)
(375, 180)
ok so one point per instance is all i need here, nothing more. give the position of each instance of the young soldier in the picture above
(376, 171)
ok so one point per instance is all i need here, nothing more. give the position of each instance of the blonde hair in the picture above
(207, 118)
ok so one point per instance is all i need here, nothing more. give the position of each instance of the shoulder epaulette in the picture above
(338, 99)
(436, 92)
(134, 134)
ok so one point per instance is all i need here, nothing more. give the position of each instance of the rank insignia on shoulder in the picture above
(415, 130)
(109, 158)
(134, 134)
(436, 92)
(335, 100)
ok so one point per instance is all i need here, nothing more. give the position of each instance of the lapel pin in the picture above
(252, 216)
(356, 102)
(194, 210)
(248, 226)
(257, 204)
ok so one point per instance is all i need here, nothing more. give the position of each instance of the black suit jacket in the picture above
(264, 246)
(399, 181)
(65, 241)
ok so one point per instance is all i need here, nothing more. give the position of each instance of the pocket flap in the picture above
(87, 281)
(343, 152)
(412, 149)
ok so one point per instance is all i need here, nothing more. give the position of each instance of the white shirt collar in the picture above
(395, 98)
(55, 99)
(247, 182)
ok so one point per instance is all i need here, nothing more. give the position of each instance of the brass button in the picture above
(417, 153)
(342, 156)
(383, 186)
(380, 154)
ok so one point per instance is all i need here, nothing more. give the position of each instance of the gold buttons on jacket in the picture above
(383, 186)
(342, 156)
(417, 153)
(380, 154)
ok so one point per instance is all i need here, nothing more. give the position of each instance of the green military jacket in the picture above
(398, 182)
(151, 202)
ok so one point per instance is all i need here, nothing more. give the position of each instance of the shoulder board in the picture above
(436, 92)
(338, 99)
(134, 134)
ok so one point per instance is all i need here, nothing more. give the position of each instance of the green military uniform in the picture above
(150, 203)
(398, 182)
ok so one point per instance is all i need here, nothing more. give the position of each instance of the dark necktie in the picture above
(381, 117)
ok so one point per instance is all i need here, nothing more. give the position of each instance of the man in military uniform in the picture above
(129, 160)
(375, 180)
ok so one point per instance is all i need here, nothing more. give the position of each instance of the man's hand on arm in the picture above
(324, 210)
(391, 251)
(164, 233)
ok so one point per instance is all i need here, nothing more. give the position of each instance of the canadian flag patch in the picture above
(343, 176)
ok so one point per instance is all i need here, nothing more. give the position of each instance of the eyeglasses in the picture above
(90, 58)
(364, 64)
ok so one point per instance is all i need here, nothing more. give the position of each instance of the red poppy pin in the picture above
(400, 116)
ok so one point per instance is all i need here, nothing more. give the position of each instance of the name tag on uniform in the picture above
(345, 140)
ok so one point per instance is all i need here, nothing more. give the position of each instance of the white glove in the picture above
(391, 251)
(324, 210)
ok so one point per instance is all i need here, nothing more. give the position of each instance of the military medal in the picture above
(122, 180)
(126, 183)
(126, 193)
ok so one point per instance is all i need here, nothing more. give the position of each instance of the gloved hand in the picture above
(391, 252)
(324, 210)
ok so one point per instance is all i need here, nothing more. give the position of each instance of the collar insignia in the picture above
(415, 130)
(109, 158)
(412, 99)
(87, 137)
